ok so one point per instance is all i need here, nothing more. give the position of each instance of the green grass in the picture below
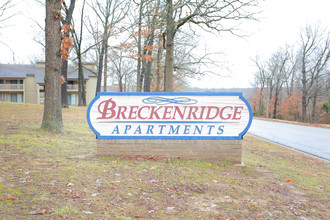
(59, 176)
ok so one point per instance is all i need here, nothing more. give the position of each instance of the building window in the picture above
(16, 81)
(42, 97)
(16, 98)
(3, 97)
(2, 81)
(72, 99)
(13, 98)
(19, 98)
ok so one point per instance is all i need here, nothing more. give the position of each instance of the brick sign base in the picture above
(223, 150)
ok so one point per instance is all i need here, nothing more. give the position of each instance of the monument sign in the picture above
(165, 124)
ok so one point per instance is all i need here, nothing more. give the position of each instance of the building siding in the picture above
(31, 90)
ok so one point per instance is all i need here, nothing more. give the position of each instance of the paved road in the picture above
(312, 140)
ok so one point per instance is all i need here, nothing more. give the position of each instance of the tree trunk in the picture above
(100, 69)
(80, 102)
(126, 86)
(64, 91)
(143, 65)
(158, 69)
(105, 78)
(143, 71)
(260, 102)
(169, 48)
(304, 93)
(138, 75)
(120, 84)
(314, 109)
(147, 77)
(275, 104)
(267, 99)
(52, 118)
(304, 108)
(81, 84)
(101, 58)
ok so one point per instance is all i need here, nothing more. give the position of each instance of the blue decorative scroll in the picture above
(158, 100)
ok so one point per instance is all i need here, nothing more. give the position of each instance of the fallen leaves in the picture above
(69, 184)
(42, 212)
(288, 180)
(11, 197)
(121, 209)
(77, 195)
(111, 186)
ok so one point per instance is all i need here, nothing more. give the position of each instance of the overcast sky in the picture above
(280, 23)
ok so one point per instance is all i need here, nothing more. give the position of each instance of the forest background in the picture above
(288, 67)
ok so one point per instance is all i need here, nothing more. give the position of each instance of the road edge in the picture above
(282, 145)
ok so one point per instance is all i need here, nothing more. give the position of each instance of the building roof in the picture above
(20, 71)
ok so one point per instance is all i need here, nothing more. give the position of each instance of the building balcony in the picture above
(11, 87)
(72, 87)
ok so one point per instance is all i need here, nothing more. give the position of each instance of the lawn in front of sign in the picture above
(53, 175)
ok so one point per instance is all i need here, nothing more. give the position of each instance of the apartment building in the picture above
(25, 83)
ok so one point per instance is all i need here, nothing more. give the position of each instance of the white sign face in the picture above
(169, 116)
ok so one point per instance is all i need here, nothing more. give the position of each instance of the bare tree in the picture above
(139, 44)
(280, 71)
(122, 67)
(80, 51)
(261, 80)
(169, 62)
(208, 14)
(78, 48)
(314, 57)
(159, 65)
(149, 34)
(144, 30)
(109, 15)
(66, 20)
(321, 88)
(52, 118)
(292, 77)
(5, 6)
(153, 21)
